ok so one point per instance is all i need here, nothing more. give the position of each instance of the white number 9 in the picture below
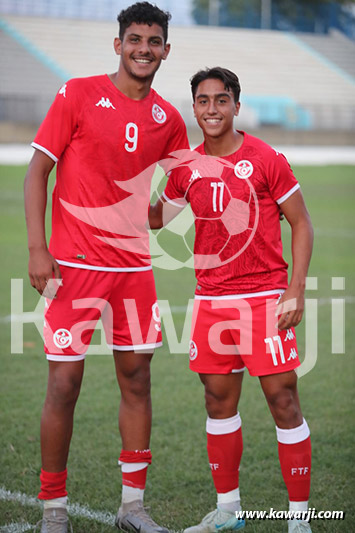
(131, 136)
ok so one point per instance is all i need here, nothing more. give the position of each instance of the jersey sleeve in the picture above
(281, 180)
(175, 189)
(178, 145)
(60, 123)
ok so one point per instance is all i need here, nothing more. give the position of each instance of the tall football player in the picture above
(245, 311)
(105, 133)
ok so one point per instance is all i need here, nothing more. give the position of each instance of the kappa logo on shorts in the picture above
(289, 335)
(293, 354)
(243, 169)
(62, 338)
(193, 351)
(159, 114)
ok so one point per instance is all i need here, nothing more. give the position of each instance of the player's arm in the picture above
(295, 211)
(42, 265)
(162, 212)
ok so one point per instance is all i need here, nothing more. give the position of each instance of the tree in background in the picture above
(290, 15)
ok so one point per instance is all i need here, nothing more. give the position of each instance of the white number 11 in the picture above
(270, 341)
(215, 186)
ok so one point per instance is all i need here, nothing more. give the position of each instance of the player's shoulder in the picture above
(258, 144)
(81, 85)
(265, 151)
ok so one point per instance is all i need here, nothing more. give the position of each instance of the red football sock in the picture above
(134, 467)
(52, 485)
(225, 448)
(295, 456)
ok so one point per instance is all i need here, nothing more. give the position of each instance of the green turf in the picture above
(179, 489)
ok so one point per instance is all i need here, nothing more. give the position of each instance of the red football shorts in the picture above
(125, 301)
(231, 334)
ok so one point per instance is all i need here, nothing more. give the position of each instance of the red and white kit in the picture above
(130, 316)
(106, 147)
(233, 333)
(238, 256)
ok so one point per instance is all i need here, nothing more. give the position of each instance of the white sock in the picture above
(56, 502)
(130, 494)
(298, 506)
(229, 501)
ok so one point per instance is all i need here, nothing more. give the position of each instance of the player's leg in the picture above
(135, 419)
(294, 441)
(220, 369)
(224, 448)
(67, 332)
(133, 376)
(274, 358)
(64, 381)
(135, 332)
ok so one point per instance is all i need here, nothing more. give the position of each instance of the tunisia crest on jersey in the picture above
(243, 169)
(159, 114)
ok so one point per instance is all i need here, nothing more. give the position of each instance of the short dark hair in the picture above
(143, 13)
(230, 80)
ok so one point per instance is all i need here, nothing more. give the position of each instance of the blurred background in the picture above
(295, 61)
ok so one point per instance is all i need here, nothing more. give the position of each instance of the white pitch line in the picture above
(74, 509)
(20, 527)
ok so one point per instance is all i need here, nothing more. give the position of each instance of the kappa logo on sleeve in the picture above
(63, 90)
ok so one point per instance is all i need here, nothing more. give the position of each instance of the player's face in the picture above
(215, 108)
(142, 49)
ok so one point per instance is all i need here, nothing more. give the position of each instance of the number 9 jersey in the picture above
(106, 147)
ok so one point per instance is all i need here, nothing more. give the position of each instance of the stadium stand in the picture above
(335, 47)
(296, 82)
(22, 72)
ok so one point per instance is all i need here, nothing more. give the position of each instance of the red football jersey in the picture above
(106, 147)
(235, 201)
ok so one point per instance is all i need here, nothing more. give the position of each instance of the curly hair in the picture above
(143, 13)
(230, 80)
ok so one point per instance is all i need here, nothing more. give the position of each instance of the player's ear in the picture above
(193, 107)
(237, 108)
(166, 51)
(117, 45)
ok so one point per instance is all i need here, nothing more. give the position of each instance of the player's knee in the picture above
(284, 406)
(219, 405)
(136, 382)
(63, 390)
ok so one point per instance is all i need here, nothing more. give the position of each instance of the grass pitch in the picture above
(179, 489)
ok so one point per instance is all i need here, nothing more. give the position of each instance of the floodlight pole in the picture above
(213, 13)
(266, 6)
